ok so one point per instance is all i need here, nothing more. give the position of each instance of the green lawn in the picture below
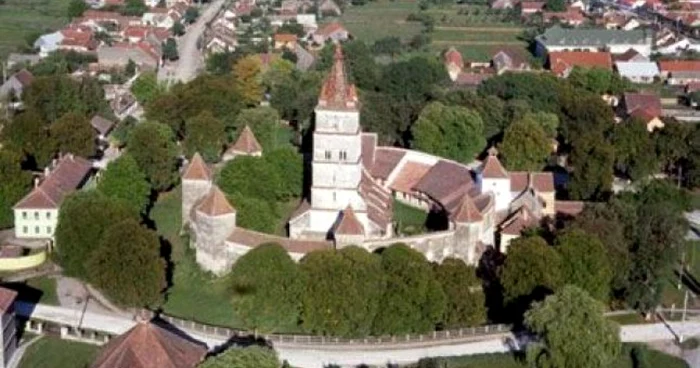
(52, 352)
(655, 359)
(195, 294)
(411, 220)
(47, 285)
(20, 18)
(382, 18)
(628, 319)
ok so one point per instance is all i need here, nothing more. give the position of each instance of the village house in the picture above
(502, 4)
(285, 41)
(15, 85)
(36, 215)
(572, 16)
(531, 7)
(331, 32)
(305, 59)
(630, 55)
(645, 107)
(638, 71)
(102, 126)
(221, 36)
(561, 63)
(78, 40)
(48, 43)
(680, 72)
(354, 184)
(509, 60)
(453, 63)
(594, 40)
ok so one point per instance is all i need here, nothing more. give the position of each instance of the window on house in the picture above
(333, 196)
(48, 229)
(328, 155)
(36, 230)
(24, 230)
(343, 155)
(48, 215)
(24, 215)
(36, 215)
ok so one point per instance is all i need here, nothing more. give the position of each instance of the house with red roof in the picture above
(572, 16)
(332, 31)
(245, 145)
(531, 7)
(285, 41)
(36, 215)
(680, 72)
(645, 107)
(79, 40)
(453, 63)
(561, 63)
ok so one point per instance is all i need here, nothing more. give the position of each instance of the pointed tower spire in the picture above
(337, 92)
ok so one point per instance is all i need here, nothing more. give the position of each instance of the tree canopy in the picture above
(449, 131)
(153, 147)
(635, 156)
(414, 300)
(342, 291)
(263, 121)
(526, 145)
(124, 180)
(14, 184)
(560, 321)
(72, 133)
(127, 265)
(204, 134)
(465, 296)
(585, 263)
(248, 79)
(267, 285)
(249, 357)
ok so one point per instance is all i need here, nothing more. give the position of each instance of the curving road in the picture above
(191, 60)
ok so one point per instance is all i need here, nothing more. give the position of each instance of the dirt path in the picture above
(485, 43)
(481, 29)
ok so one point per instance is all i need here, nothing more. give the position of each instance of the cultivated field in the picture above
(22, 18)
(474, 30)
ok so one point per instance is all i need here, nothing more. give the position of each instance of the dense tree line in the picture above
(350, 292)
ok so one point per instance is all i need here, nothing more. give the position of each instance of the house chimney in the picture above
(47, 171)
(37, 180)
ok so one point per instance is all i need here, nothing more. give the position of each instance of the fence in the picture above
(435, 336)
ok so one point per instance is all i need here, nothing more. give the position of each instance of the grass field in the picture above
(47, 285)
(381, 19)
(411, 220)
(20, 18)
(52, 352)
(655, 359)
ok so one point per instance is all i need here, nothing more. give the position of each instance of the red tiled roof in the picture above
(679, 66)
(69, 173)
(573, 16)
(466, 211)
(285, 37)
(644, 105)
(24, 77)
(541, 181)
(561, 61)
(215, 203)
(252, 239)
(7, 298)
(378, 199)
(197, 169)
(452, 56)
(492, 167)
(532, 5)
(472, 79)
(627, 55)
(411, 173)
(78, 38)
(336, 91)
(520, 220)
(349, 224)
(102, 125)
(136, 32)
(570, 208)
(330, 28)
(385, 160)
(369, 145)
(147, 345)
(246, 143)
(444, 179)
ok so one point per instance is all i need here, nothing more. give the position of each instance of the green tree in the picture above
(388, 45)
(414, 300)
(598, 80)
(255, 214)
(490, 108)
(263, 121)
(146, 88)
(296, 95)
(531, 271)
(127, 265)
(169, 49)
(72, 133)
(465, 296)
(672, 145)
(449, 131)
(54, 96)
(525, 146)
(541, 91)
(289, 164)
(251, 177)
(82, 221)
(634, 150)
(178, 29)
(585, 263)
(248, 82)
(76, 8)
(191, 15)
(14, 184)
(124, 180)
(292, 27)
(592, 168)
(204, 134)
(152, 145)
(28, 134)
(267, 285)
(249, 357)
(134, 8)
(342, 291)
(560, 321)
(359, 63)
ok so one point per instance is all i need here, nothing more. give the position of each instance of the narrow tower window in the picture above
(328, 155)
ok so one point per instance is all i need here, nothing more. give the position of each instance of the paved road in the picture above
(320, 356)
(191, 61)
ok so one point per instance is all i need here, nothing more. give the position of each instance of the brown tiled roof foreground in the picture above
(197, 169)
(7, 297)
(147, 345)
(246, 142)
(215, 203)
(66, 177)
(349, 224)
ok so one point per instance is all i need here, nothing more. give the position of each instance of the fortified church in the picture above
(354, 183)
